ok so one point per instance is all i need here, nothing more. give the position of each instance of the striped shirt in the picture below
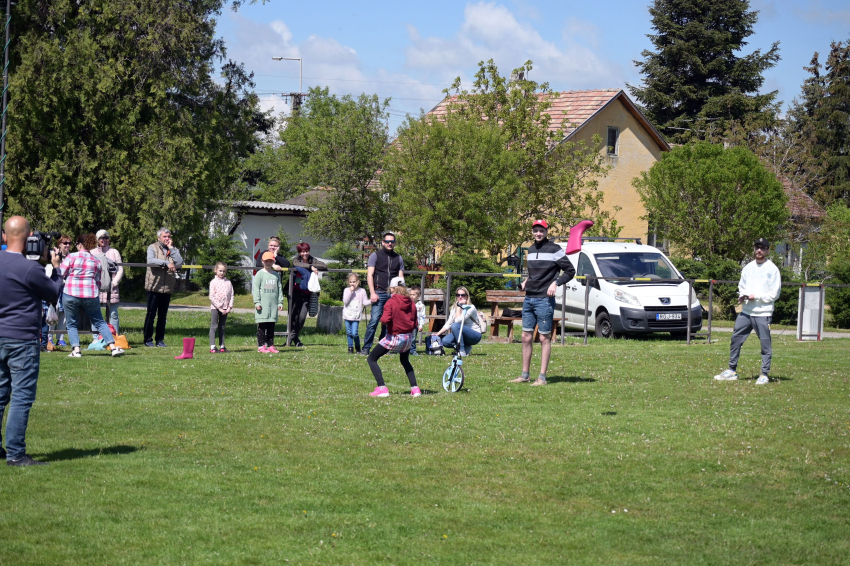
(81, 271)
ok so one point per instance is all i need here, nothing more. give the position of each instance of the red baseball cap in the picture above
(540, 222)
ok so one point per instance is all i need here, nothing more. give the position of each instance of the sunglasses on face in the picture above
(389, 241)
(761, 247)
(461, 295)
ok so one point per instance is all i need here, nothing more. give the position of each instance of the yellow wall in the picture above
(637, 152)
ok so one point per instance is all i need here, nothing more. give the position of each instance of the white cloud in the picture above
(491, 31)
(326, 62)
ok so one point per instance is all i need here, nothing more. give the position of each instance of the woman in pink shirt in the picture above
(81, 271)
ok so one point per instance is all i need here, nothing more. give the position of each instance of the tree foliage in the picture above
(694, 80)
(336, 143)
(713, 202)
(823, 115)
(472, 179)
(221, 247)
(116, 121)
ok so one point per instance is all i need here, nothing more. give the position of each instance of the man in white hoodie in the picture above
(758, 289)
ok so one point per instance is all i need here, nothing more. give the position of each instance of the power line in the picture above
(276, 93)
(355, 80)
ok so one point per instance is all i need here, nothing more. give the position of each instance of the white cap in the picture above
(101, 233)
(397, 282)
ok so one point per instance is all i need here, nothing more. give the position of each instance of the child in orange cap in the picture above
(268, 300)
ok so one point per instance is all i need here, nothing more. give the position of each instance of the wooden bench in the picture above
(432, 298)
(496, 318)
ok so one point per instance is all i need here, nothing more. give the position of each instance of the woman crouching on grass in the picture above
(399, 318)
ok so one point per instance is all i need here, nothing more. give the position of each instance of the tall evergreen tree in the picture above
(823, 114)
(694, 82)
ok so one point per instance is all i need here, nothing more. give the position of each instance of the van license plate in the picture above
(668, 316)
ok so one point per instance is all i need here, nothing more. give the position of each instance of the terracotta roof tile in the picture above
(800, 204)
(572, 107)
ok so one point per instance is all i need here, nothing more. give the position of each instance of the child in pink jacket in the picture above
(221, 303)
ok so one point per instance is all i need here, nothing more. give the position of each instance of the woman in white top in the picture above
(463, 316)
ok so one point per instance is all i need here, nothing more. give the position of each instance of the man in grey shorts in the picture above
(758, 289)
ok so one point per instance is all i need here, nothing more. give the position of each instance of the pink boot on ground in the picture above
(188, 349)
(272, 350)
(415, 392)
(263, 350)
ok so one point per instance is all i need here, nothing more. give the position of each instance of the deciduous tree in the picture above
(117, 122)
(336, 143)
(472, 179)
(713, 202)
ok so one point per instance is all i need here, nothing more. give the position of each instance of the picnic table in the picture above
(498, 318)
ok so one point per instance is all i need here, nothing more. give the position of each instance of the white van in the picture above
(627, 307)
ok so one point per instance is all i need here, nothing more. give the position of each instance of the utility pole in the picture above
(5, 108)
(297, 97)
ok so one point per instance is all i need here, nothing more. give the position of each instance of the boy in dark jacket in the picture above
(399, 318)
(545, 260)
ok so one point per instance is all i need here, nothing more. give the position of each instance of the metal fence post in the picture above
(289, 308)
(690, 308)
(802, 312)
(563, 312)
(422, 287)
(820, 310)
(710, 306)
(447, 299)
(586, 302)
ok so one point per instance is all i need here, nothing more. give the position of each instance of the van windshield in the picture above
(651, 265)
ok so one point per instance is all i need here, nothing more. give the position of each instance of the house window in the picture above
(613, 140)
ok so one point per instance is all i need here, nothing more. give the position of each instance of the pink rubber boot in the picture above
(188, 349)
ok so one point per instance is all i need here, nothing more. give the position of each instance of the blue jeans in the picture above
(73, 307)
(112, 316)
(45, 328)
(470, 337)
(352, 330)
(539, 312)
(377, 311)
(19, 361)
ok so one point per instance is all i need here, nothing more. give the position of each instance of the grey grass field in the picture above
(632, 454)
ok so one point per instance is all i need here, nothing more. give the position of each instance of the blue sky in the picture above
(412, 50)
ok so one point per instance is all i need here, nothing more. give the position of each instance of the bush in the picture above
(839, 299)
(345, 256)
(220, 247)
(474, 263)
(725, 295)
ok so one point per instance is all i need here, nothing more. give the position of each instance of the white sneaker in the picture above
(116, 351)
(75, 354)
(728, 375)
(762, 380)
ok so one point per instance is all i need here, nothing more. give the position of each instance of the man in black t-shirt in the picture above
(383, 265)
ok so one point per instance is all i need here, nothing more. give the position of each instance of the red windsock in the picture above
(574, 243)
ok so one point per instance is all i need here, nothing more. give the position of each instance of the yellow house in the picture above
(630, 144)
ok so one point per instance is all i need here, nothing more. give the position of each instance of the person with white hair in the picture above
(109, 298)
(160, 282)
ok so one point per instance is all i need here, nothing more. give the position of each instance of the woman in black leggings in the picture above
(399, 318)
(300, 296)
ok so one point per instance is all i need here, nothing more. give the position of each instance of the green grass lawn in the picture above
(631, 455)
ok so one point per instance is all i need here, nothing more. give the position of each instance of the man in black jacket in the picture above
(383, 266)
(25, 285)
(545, 260)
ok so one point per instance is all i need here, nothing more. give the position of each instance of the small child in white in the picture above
(354, 299)
(415, 294)
(221, 303)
